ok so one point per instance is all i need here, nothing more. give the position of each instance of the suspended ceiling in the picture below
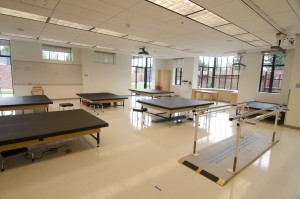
(144, 19)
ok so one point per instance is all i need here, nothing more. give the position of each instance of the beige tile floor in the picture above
(136, 161)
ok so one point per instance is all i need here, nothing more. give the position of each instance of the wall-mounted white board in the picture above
(42, 73)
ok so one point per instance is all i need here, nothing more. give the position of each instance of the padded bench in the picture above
(13, 152)
(63, 105)
(139, 110)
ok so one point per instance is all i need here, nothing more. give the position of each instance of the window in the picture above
(6, 88)
(57, 53)
(4, 48)
(219, 72)
(178, 76)
(141, 72)
(271, 73)
(105, 58)
(178, 69)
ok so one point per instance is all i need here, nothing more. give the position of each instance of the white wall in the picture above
(31, 53)
(292, 117)
(189, 66)
(113, 78)
(250, 75)
(161, 64)
(94, 77)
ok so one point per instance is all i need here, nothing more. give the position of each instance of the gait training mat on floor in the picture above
(214, 161)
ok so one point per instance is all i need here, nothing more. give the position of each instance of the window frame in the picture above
(214, 67)
(269, 88)
(100, 56)
(6, 43)
(178, 74)
(145, 64)
(54, 53)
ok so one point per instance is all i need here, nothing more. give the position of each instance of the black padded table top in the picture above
(257, 105)
(100, 96)
(20, 128)
(151, 91)
(174, 103)
(24, 100)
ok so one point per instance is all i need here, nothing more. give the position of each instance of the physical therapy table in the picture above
(102, 97)
(151, 92)
(19, 131)
(24, 102)
(173, 105)
(258, 105)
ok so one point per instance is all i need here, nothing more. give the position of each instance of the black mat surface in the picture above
(19, 128)
(100, 96)
(257, 105)
(24, 100)
(151, 91)
(174, 103)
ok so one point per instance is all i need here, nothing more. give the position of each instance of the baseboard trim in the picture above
(292, 127)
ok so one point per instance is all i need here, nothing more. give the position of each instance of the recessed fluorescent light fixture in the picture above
(25, 15)
(247, 37)
(231, 29)
(80, 44)
(18, 35)
(106, 48)
(208, 18)
(161, 44)
(69, 24)
(182, 7)
(259, 43)
(108, 32)
(53, 40)
(134, 38)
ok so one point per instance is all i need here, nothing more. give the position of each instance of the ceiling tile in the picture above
(95, 6)
(133, 20)
(20, 26)
(79, 15)
(153, 11)
(208, 4)
(61, 33)
(123, 4)
(235, 11)
(50, 4)
(295, 4)
(271, 7)
(143, 19)
(285, 20)
(25, 7)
